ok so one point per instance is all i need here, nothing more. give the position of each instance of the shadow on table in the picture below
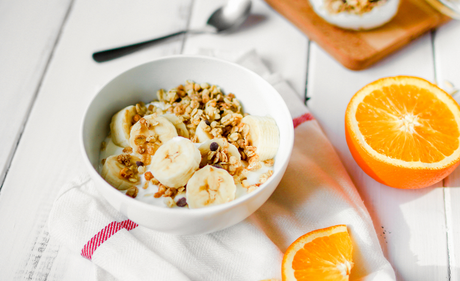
(252, 21)
(402, 253)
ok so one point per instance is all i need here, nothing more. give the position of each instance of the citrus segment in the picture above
(404, 131)
(324, 254)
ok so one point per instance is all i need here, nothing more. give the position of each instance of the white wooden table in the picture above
(47, 77)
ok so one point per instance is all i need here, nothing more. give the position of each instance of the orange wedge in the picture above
(404, 131)
(323, 254)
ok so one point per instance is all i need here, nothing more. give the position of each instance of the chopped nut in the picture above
(151, 148)
(136, 118)
(103, 145)
(146, 185)
(124, 159)
(233, 160)
(269, 162)
(128, 149)
(141, 109)
(169, 202)
(148, 176)
(264, 177)
(141, 150)
(132, 192)
(140, 139)
(161, 188)
(141, 169)
(154, 181)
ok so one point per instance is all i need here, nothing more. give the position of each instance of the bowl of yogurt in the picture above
(356, 14)
(187, 144)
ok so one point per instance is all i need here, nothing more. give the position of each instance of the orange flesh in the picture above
(321, 258)
(408, 123)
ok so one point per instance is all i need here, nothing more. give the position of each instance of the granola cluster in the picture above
(357, 7)
(218, 114)
(129, 171)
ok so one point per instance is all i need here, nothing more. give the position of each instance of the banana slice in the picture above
(201, 132)
(151, 132)
(210, 186)
(120, 126)
(263, 134)
(177, 122)
(120, 171)
(175, 162)
(208, 146)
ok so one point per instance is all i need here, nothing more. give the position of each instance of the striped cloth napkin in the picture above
(315, 192)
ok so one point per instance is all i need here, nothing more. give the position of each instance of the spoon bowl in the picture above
(226, 18)
(231, 16)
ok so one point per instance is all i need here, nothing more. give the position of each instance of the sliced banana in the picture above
(201, 132)
(263, 134)
(175, 162)
(208, 146)
(121, 174)
(210, 186)
(150, 133)
(177, 122)
(120, 127)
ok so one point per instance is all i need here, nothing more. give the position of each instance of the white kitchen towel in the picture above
(315, 192)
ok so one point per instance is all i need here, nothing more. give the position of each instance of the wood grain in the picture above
(410, 224)
(28, 37)
(447, 62)
(48, 154)
(358, 50)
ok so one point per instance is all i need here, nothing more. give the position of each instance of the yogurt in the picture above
(146, 195)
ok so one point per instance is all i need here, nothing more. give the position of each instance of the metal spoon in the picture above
(226, 18)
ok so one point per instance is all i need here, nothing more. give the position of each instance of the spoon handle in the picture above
(111, 54)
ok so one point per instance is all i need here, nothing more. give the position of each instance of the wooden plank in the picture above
(447, 62)
(281, 46)
(28, 30)
(410, 224)
(49, 152)
(360, 49)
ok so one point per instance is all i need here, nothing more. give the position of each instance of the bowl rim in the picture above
(192, 212)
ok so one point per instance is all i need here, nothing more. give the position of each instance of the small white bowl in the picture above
(378, 16)
(140, 83)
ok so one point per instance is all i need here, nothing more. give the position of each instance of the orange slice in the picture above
(323, 254)
(404, 131)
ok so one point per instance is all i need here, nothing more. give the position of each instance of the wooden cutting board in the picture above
(358, 50)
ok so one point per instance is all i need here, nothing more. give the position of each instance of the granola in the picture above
(202, 111)
(357, 7)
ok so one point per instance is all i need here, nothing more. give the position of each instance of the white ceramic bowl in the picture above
(140, 83)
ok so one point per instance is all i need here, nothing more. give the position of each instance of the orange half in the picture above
(404, 131)
(323, 254)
